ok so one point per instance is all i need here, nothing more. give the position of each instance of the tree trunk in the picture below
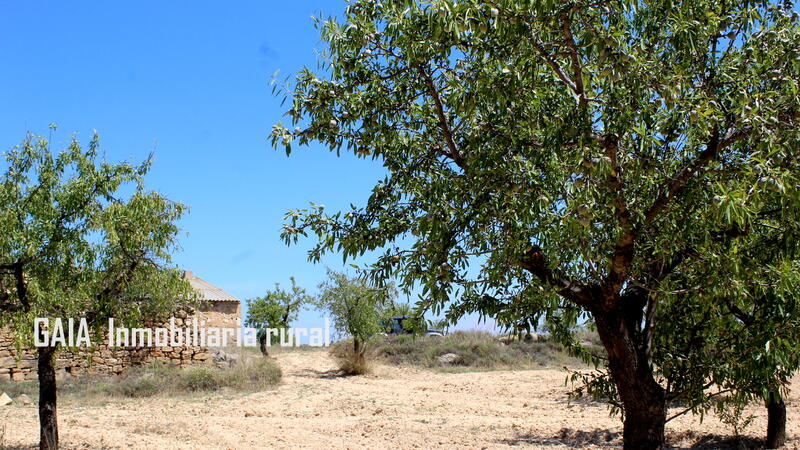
(262, 342)
(643, 399)
(48, 421)
(358, 352)
(776, 421)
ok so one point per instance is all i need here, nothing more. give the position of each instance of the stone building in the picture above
(217, 309)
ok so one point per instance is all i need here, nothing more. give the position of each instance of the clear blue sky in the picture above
(189, 81)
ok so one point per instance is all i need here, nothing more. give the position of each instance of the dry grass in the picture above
(161, 380)
(349, 362)
(476, 351)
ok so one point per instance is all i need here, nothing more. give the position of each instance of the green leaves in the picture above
(354, 306)
(544, 156)
(72, 245)
(277, 308)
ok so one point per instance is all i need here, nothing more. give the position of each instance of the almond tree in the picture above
(553, 158)
(356, 308)
(81, 238)
(275, 310)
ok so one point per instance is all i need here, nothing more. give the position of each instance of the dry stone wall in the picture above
(16, 365)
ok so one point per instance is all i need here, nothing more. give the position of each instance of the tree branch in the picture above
(577, 69)
(711, 151)
(22, 286)
(557, 69)
(535, 262)
(713, 148)
(624, 248)
(453, 152)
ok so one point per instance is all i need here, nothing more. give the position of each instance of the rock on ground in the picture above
(450, 358)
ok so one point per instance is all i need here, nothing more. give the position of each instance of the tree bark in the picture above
(48, 421)
(776, 421)
(643, 399)
(262, 342)
(358, 352)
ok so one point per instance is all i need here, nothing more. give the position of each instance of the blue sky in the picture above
(188, 81)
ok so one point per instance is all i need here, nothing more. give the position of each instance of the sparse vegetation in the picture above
(731, 412)
(157, 379)
(475, 349)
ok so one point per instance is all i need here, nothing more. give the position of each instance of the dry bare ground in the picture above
(394, 407)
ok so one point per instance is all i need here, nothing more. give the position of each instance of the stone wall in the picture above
(21, 365)
(232, 309)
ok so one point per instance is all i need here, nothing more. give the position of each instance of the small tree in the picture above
(275, 310)
(355, 308)
(72, 245)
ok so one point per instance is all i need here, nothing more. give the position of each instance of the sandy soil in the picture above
(396, 408)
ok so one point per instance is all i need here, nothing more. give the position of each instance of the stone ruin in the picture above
(217, 309)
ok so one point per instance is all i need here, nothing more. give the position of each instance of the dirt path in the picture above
(396, 408)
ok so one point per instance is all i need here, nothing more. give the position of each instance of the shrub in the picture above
(195, 379)
(475, 349)
(349, 361)
(144, 386)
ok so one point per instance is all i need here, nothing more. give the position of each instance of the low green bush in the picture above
(259, 374)
(194, 379)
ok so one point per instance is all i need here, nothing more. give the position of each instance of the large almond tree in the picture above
(555, 158)
(81, 238)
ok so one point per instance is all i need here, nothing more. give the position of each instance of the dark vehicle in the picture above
(396, 327)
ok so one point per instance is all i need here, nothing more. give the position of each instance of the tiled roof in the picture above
(206, 290)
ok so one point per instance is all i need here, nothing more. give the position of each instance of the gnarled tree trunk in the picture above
(776, 421)
(644, 400)
(48, 421)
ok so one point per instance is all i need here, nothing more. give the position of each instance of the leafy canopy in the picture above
(278, 308)
(355, 307)
(534, 148)
(83, 238)
(742, 338)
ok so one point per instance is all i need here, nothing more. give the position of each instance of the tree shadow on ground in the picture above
(570, 438)
(323, 374)
(693, 440)
(583, 401)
